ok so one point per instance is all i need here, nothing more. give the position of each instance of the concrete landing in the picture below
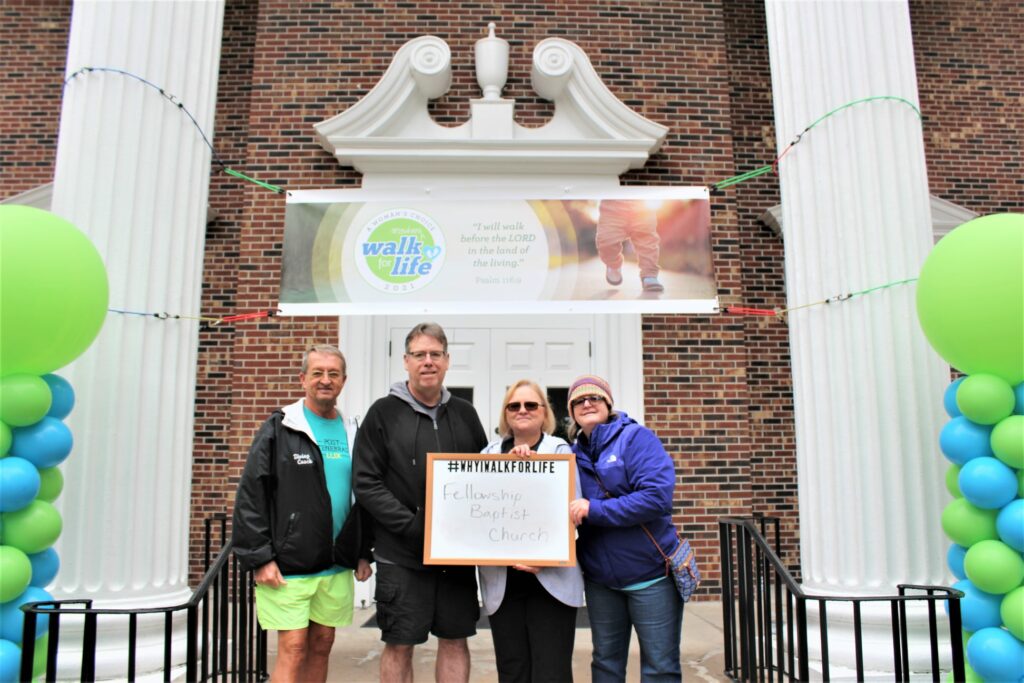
(356, 654)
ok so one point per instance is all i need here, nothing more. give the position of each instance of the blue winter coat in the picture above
(635, 469)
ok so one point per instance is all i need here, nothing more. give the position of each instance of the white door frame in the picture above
(617, 354)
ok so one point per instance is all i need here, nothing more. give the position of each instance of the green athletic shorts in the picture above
(327, 600)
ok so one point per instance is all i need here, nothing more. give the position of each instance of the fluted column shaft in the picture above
(133, 173)
(867, 388)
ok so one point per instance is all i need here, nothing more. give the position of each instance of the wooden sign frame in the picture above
(500, 475)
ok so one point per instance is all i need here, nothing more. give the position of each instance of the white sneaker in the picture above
(651, 284)
(613, 275)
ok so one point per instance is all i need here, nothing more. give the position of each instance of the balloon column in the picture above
(53, 300)
(970, 302)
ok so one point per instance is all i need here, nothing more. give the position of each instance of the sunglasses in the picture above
(590, 398)
(516, 406)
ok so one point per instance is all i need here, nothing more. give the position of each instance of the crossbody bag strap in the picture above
(668, 560)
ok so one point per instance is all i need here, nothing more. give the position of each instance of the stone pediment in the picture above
(390, 132)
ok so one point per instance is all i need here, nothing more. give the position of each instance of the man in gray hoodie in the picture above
(417, 417)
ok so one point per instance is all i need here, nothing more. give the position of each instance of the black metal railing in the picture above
(223, 639)
(764, 613)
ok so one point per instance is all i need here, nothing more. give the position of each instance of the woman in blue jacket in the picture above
(627, 480)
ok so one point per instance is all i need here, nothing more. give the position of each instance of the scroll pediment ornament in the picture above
(390, 131)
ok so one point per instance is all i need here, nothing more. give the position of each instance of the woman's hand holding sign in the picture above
(578, 510)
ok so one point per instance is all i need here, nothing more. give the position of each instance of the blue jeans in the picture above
(656, 612)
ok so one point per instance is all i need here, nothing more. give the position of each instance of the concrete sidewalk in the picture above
(356, 654)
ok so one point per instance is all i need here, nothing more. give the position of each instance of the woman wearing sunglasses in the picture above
(628, 480)
(532, 610)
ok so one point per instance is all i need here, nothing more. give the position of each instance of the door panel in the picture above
(550, 357)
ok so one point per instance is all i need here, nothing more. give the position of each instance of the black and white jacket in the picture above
(282, 509)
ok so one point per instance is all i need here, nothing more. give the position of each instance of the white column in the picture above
(133, 173)
(867, 388)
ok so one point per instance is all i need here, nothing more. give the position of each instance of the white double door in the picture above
(488, 356)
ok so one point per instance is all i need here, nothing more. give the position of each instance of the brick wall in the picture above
(969, 66)
(217, 378)
(310, 62)
(772, 472)
(33, 46)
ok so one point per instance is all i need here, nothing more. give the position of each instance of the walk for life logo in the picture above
(400, 250)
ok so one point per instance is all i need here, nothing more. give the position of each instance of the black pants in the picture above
(533, 633)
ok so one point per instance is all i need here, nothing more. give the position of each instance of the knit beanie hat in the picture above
(589, 385)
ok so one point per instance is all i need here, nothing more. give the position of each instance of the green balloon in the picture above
(967, 525)
(1012, 612)
(53, 291)
(970, 675)
(5, 439)
(1007, 442)
(994, 567)
(953, 481)
(39, 656)
(24, 399)
(970, 297)
(15, 572)
(985, 399)
(33, 528)
(51, 483)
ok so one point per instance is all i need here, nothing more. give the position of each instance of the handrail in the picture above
(757, 588)
(231, 590)
(759, 539)
(197, 597)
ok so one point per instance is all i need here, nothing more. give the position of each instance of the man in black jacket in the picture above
(293, 499)
(417, 417)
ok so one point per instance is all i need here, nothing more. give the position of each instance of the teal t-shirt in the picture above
(643, 584)
(332, 439)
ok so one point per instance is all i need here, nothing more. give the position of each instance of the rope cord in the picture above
(173, 99)
(774, 166)
(783, 312)
(213, 322)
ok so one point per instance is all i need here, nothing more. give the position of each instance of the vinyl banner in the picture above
(637, 250)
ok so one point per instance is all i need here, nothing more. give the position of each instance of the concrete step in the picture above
(356, 654)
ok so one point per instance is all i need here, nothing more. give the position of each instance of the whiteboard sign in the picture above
(501, 510)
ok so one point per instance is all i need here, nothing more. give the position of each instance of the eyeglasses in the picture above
(420, 356)
(332, 375)
(589, 398)
(516, 406)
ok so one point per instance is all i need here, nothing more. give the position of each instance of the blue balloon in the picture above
(948, 398)
(962, 440)
(987, 483)
(1018, 395)
(63, 396)
(45, 566)
(978, 609)
(996, 655)
(45, 444)
(1010, 524)
(954, 559)
(10, 661)
(12, 619)
(19, 483)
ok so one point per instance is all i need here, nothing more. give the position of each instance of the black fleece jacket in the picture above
(389, 468)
